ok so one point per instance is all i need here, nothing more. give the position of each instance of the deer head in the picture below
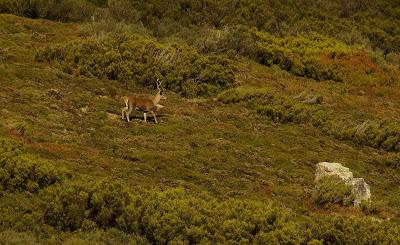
(160, 94)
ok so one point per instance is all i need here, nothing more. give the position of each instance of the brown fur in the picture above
(143, 104)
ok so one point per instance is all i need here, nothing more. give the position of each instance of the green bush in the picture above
(107, 203)
(138, 60)
(378, 134)
(382, 134)
(63, 10)
(179, 216)
(294, 112)
(65, 207)
(372, 207)
(19, 7)
(332, 190)
(123, 10)
(278, 108)
(346, 230)
(162, 217)
(25, 172)
(392, 160)
(319, 57)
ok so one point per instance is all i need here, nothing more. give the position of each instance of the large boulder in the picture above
(333, 168)
(360, 188)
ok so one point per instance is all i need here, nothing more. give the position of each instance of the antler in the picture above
(159, 84)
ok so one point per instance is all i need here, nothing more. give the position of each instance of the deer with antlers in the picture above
(145, 105)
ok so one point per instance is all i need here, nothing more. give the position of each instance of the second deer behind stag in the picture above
(145, 105)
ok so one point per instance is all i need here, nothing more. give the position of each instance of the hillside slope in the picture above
(224, 149)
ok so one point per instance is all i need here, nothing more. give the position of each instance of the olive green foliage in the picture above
(392, 161)
(182, 216)
(64, 10)
(354, 231)
(179, 216)
(162, 217)
(350, 21)
(239, 180)
(379, 134)
(137, 60)
(307, 39)
(75, 206)
(25, 172)
(293, 112)
(278, 108)
(332, 190)
(373, 23)
(19, 7)
(82, 210)
(318, 57)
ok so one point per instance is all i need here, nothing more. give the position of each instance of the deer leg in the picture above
(127, 114)
(145, 117)
(124, 109)
(154, 115)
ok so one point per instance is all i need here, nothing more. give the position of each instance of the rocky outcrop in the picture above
(360, 188)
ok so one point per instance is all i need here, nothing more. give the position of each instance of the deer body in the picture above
(145, 105)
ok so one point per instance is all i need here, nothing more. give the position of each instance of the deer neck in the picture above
(157, 98)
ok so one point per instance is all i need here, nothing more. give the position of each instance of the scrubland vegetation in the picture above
(136, 61)
(258, 93)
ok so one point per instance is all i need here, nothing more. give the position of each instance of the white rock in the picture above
(333, 168)
(360, 188)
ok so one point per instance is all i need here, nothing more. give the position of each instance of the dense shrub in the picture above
(63, 10)
(318, 57)
(103, 27)
(276, 107)
(393, 161)
(123, 10)
(276, 36)
(137, 60)
(341, 230)
(88, 206)
(378, 134)
(374, 23)
(65, 207)
(332, 190)
(160, 216)
(294, 112)
(19, 7)
(179, 216)
(25, 172)
(249, 96)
